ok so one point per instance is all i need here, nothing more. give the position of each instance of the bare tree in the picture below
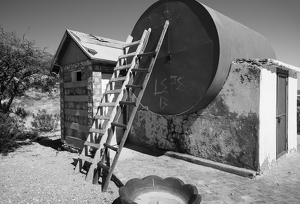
(22, 66)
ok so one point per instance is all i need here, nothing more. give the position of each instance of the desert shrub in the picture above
(8, 126)
(12, 132)
(21, 112)
(43, 121)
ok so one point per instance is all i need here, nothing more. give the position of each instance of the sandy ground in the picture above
(39, 173)
(42, 172)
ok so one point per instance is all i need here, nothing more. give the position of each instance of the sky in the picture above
(45, 21)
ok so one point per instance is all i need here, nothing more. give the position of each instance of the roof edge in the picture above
(283, 65)
(81, 47)
(54, 67)
(71, 33)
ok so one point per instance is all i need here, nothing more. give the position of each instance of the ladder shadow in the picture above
(85, 167)
(145, 150)
(131, 147)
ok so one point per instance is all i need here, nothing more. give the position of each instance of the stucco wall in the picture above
(226, 131)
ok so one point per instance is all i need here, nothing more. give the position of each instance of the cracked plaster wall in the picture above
(225, 131)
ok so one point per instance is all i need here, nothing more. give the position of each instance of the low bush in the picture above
(21, 112)
(8, 126)
(12, 132)
(43, 121)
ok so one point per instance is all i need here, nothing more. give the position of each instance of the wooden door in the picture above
(281, 138)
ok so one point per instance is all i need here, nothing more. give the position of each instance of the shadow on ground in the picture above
(47, 142)
(144, 150)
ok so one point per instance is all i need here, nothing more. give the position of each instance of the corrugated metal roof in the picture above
(95, 47)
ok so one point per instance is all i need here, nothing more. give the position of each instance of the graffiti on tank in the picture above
(167, 86)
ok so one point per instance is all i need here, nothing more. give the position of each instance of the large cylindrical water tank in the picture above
(195, 57)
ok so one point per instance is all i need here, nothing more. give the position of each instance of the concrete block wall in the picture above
(62, 103)
(88, 74)
(76, 124)
(88, 91)
(96, 89)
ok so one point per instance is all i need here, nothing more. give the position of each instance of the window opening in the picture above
(76, 76)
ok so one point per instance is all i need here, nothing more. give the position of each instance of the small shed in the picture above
(85, 64)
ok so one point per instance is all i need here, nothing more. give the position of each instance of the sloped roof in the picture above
(95, 47)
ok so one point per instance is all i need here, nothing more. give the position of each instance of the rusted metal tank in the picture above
(195, 57)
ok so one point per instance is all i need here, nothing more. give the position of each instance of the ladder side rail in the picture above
(104, 158)
(117, 117)
(125, 93)
(109, 86)
(102, 111)
(105, 97)
(129, 124)
(97, 157)
(126, 81)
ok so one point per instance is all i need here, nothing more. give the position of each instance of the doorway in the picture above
(281, 113)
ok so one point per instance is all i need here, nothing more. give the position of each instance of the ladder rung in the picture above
(111, 147)
(116, 113)
(127, 66)
(145, 81)
(132, 44)
(128, 103)
(102, 117)
(147, 54)
(103, 166)
(119, 125)
(127, 55)
(94, 130)
(134, 86)
(118, 79)
(107, 104)
(117, 91)
(140, 70)
(86, 158)
(91, 144)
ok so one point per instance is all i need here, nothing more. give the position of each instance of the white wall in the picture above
(268, 125)
(292, 112)
(267, 117)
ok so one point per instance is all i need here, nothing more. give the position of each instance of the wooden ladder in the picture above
(109, 111)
